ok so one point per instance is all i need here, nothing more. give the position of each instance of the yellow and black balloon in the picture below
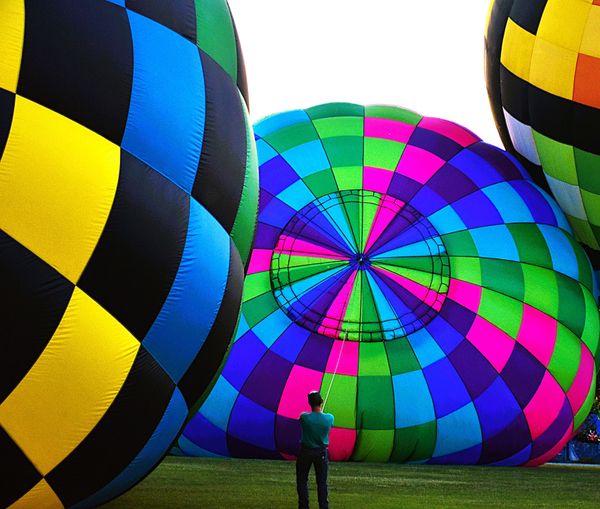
(128, 198)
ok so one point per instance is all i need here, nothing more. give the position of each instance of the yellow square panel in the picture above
(41, 496)
(590, 45)
(71, 385)
(563, 23)
(12, 30)
(57, 184)
(553, 68)
(517, 50)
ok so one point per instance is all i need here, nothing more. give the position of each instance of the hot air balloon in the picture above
(128, 201)
(421, 281)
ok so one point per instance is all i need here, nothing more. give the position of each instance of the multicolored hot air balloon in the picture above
(543, 69)
(421, 281)
(128, 198)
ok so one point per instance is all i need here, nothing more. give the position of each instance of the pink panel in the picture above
(540, 460)
(297, 247)
(538, 333)
(300, 382)
(466, 294)
(451, 130)
(545, 406)
(341, 443)
(583, 380)
(388, 129)
(337, 310)
(418, 164)
(347, 353)
(495, 345)
(260, 261)
(376, 179)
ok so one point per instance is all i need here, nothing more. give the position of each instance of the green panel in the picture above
(466, 269)
(244, 226)
(259, 308)
(373, 360)
(584, 232)
(369, 213)
(342, 399)
(384, 154)
(591, 330)
(393, 113)
(460, 244)
(215, 34)
(352, 315)
(426, 279)
(591, 203)
(418, 263)
(541, 289)
(504, 277)
(503, 312)
(531, 244)
(586, 274)
(557, 158)
(586, 407)
(348, 178)
(415, 443)
(588, 166)
(292, 136)
(335, 110)
(321, 183)
(565, 359)
(344, 150)
(571, 305)
(401, 357)
(257, 284)
(353, 211)
(373, 445)
(375, 403)
(340, 126)
(369, 316)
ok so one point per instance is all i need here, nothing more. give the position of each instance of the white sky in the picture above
(425, 55)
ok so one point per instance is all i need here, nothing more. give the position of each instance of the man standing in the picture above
(313, 451)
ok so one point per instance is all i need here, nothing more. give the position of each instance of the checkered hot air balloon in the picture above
(128, 202)
(421, 281)
(543, 70)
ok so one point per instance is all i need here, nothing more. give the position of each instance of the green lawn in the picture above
(215, 483)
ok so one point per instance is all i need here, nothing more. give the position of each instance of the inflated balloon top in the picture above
(421, 281)
(128, 200)
(543, 70)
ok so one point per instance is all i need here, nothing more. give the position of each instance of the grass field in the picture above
(215, 483)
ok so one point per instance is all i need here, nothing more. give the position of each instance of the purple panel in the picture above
(245, 354)
(206, 435)
(400, 233)
(291, 342)
(328, 238)
(444, 334)
(277, 213)
(523, 374)
(467, 457)
(554, 433)
(496, 408)
(520, 458)
(500, 160)
(457, 316)
(287, 434)
(260, 434)
(476, 169)
(403, 188)
(266, 382)
(436, 143)
(426, 202)
(264, 199)
(477, 210)
(537, 203)
(474, 369)
(242, 449)
(266, 236)
(446, 387)
(451, 184)
(514, 438)
(276, 175)
(315, 353)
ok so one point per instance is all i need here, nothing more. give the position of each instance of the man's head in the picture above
(315, 400)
